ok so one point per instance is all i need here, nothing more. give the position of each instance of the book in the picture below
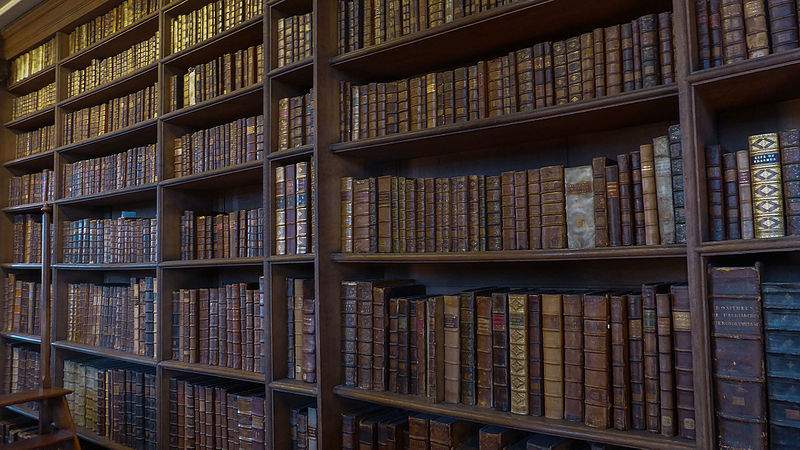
(731, 195)
(682, 346)
(613, 205)
(535, 357)
(703, 33)
(601, 215)
(554, 226)
(638, 199)
(573, 357)
(626, 206)
(765, 176)
(666, 364)
(484, 379)
(782, 25)
(649, 195)
(518, 351)
(733, 31)
(579, 204)
(553, 355)
(597, 352)
(714, 183)
(678, 197)
(756, 33)
(620, 363)
(664, 190)
(790, 176)
(452, 348)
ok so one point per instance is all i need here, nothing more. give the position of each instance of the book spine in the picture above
(651, 70)
(580, 208)
(600, 201)
(553, 356)
(494, 236)
(554, 225)
(597, 351)
(535, 359)
(650, 352)
(628, 60)
(434, 341)
(574, 70)
(682, 347)
(731, 193)
(613, 205)
(678, 197)
(664, 190)
(534, 209)
(626, 199)
(500, 358)
(755, 25)
(560, 78)
(733, 31)
(620, 362)
(521, 209)
(573, 357)
(599, 57)
(790, 162)
(714, 181)
(666, 364)
(638, 199)
(649, 195)
(483, 350)
(452, 349)
(715, 27)
(765, 178)
(468, 363)
(507, 209)
(703, 33)
(518, 351)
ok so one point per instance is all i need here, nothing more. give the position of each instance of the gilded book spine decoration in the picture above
(765, 171)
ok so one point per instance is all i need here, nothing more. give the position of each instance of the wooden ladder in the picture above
(53, 407)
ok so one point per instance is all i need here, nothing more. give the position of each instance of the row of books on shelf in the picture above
(237, 234)
(32, 188)
(117, 316)
(755, 325)
(220, 326)
(295, 39)
(222, 75)
(118, 18)
(110, 241)
(206, 413)
(103, 70)
(595, 64)
(755, 193)
(33, 61)
(294, 210)
(20, 369)
(296, 121)
(133, 167)
(35, 141)
(114, 401)
(736, 30)
(33, 101)
(112, 115)
(21, 305)
(27, 238)
(301, 329)
(187, 30)
(17, 428)
(218, 147)
(365, 23)
(616, 359)
(636, 200)
(379, 427)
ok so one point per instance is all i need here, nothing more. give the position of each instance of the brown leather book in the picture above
(460, 95)
(664, 190)
(452, 348)
(716, 205)
(539, 75)
(495, 437)
(434, 340)
(442, 214)
(703, 34)
(560, 79)
(416, 103)
(534, 209)
(651, 71)
(598, 36)
(782, 24)
(553, 355)
(518, 350)
(384, 186)
(420, 195)
(649, 195)
(715, 32)
(573, 357)
(447, 432)
(535, 359)
(666, 47)
(508, 215)
(738, 349)
(468, 324)
(599, 165)
(364, 334)
(364, 222)
(501, 394)
(368, 428)
(790, 163)
(730, 189)
(613, 206)
(597, 355)
(524, 59)
(483, 352)
(393, 346)
(509, 83)
(574, 70)
(755, 26)
(620, 364)
(587, 66)
(404, 348)
(413, 349)
(431, 99)
(650, 352)
(494, 86)
(638, 199)
(636, 356)
(625, 199)
(628, 61)
(349, 332)
(494, 220)
(382, 291)
(554, 225)
(393, 433)
(678, 195)
(351, 422)
(682, 347)
(422, 347)
(745, 194)
(403, 107)
(733, 32)
(521, 209)
(430, 196)
(419, 430)
(666, 364)
(411, 207)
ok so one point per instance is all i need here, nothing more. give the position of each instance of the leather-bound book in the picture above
(649, 195)
(790, 162)
(554, 225)
(364, 222)
(368, 428)
(382, 291)
(403, 107)
(420, 227)
(535, 361)
(477, 90)
(574, 70)
(467, 343)
(765, 178)
(755, 26)
(393, 346)
(413, 352)
(663, 172)
(460, 95)
(598, 36)
(538, 441)
(434, 330)
(495, 437)
(421, 331)
(560, 79)
(650, 352)
(636, 34)
(416, 103)
(682, 348)
(430, 214)
(782, 24)
(501, 394)
(625, 199)
(346, 214)
(418, 430)
(494, 86)
(580, 208)
(620, 364)
(553, 355)
(509, 83)
(447, 432)
(599, 165)
(384, 197)
(390, 108)
(716, 205)
(411, 216)
(730, 189)
(587, 66)
(518, 351)
(494, 233)
(303, 292)
(715, 30)
(667, 48)
(549, 74)
(628, 63)
(538, 75)
(309, 338)
(350, 424)
(483, 352)
(737, 342)
(349, 294)
(612, 204)
(431, 99)
(703, 34)
(651, 71)
(448, 97)
(597, 355)
(638, 199)
(524, 59)
(636, 357)
(733, 32)
(452, 348)
(678, 197)
(508, 215)
(666, 364)
(364, 334)
(521, 209)
(393, 433)
(573, 357)
(534, 209)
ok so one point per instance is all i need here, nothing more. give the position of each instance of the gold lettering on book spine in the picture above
(765, 171)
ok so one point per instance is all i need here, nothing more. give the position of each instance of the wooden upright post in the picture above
(44, 314)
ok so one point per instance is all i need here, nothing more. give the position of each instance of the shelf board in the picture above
(45, 116)
(105, 353)
(25, 411)
(251, 172)
(22, 337)
(241, 36)
(41, 160)
(21, 266)
(292, 154)
(220, 109)
(585, 254)
(639, 439)
(116, 43)
(604, 113)
(512, 26)
(292, 259)
(742, 246)
(33, 82)
(213, 262)
(102, 441)
(128, 137)
(113, 197)
(132, 82)
(215, 371)
(107, 267)
(24, 209)
(294, 387)
(300, 73)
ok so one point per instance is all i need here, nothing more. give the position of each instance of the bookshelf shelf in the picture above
(248, 173)
(25, 411)
(33, 82)
(102, 441)
(34, 120)
(605, 113)
(528, 423)
(132, 82)
(132, 136)
(300, 73)
(736, 247)
(105, 353)
(219, 372)
(213, 262)
(226, 107)
(116, 43)
(229, 40)
(294, 387)
(22, 337)
(291, 259)
(108, 267)
(43, 160)
(293, 154)
(125, 195)
(21, 266)
(24, 209)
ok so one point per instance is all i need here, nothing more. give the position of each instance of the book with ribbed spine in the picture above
(730, 190)
(682, 347)
(733, 31)
(666, 364)
(755, 25)
(535, 359)
(452, 349)
(664, 190)
(636, 355)
(518, 350)
(484, 381)
(765, 178)
(790, 176)
(573, 357)
(620, 364)
(554, 225)
(649, 195)
(553, 355)
(650, 353)
(678, 197)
